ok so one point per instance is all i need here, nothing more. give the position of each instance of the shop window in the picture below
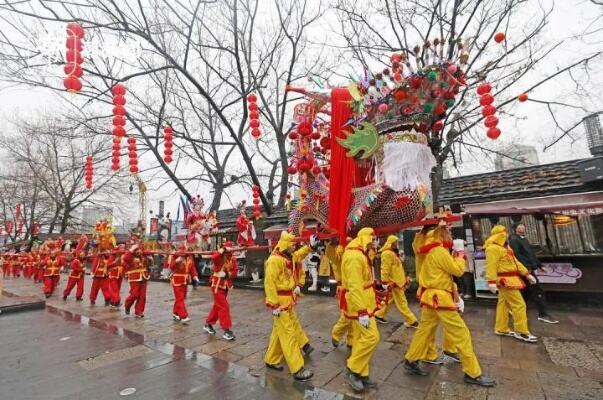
(577, 234)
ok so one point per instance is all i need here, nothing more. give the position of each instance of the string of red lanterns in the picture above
(257, 210)
(254, 116)
(168, 143)
(132, 155)
(88, 172)
(73, 58)
(489, 110)
(119, 123)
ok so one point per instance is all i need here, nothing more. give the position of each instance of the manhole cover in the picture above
(127, 391)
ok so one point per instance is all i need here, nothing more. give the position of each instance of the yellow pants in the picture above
(342, 326)
(300, 334)
(399, 298)
(365, 344)
(447, 346)
(511, 300)
(284, 342)
(457, 332)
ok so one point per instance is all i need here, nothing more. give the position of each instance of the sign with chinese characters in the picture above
(573, 212)
(564, 273)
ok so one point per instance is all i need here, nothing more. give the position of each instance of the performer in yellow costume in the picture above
(448, 349)
(439, 304)
(394, 278)
(281, 286)
(359, 305)
(504, 272)
(334, 252)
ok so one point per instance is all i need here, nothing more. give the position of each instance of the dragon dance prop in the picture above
(362, 153)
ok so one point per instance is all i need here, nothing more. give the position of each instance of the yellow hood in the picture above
(498, 235)
(286, 241)
(391, 239)
(364, 237)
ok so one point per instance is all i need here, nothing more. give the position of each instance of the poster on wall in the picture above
(562, 273)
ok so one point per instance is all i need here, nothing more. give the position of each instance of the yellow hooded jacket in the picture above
(438, 290)
(502, 268)
(358, 295)
(333, 253)
(417, 243)
(392, 269)
(281, 276)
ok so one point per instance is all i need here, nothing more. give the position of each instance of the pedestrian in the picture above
(52, 265)
(182, 272)
(100, 272)
(504, 274)
(343, 326)
(282, 289)
(360, 306)
(224, 270)
(526, 255)
(394, 278)
(76, 277)
(440, 304)
(115, 276)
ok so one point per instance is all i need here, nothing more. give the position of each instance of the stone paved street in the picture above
(567, 362)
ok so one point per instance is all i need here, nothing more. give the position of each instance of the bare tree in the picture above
(372, 30)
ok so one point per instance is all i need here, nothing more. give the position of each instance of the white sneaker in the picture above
(509, 333)
(176, 317)
(312, 289)
(326, 289)
(548, 319)
(185, 321)
(526, 337)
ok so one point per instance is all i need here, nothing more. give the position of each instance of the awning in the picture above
(588, 203)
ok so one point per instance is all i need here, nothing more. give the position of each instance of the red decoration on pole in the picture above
(88, 172)
(486, 100)
(119, 122)
(257, 208)
(254, 115)
(168, 142)
(73, 57)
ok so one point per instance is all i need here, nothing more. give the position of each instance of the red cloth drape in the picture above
(343, 169)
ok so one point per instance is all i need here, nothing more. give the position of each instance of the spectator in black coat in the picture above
(526, 255)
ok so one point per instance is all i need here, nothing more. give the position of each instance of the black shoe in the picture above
(209, 329)
(453, 356)
(127, 310)
(368, 383)
(276, 367)
(303, 374)
(107, 302)
(414, 325)
(381, 320)
(548, 319)
(92, 302)
(47, 295)
(307, 349)
(353, 380)
(480, 381)
(64, 298)
(414, 368)
(228, 335)
(334, 342)
(79, 299)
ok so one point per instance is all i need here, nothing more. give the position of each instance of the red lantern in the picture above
(315, 135)
(254, 115)
(484, 88)
(293, 135)
(75, 29)
(491, 121)
(254, 123)
(488, 110)
(73, 69)
(116, 146)
(74, 56)
(486, 99)
(168, 159)
(252, 107)
(168, 144)
(119, 131)
(118, 89)
(72, 84)
(119, 110)
(316, 170)
(132, 154)
(252, 98)
(304, 129)
(522, 97)
(499, 37)
(133, 169)
(74, 43)
(119, 120)
(256, 201)
(291, 170)
(119, 100)
(168, 152)
(257, 214)
(255, 188)
(256, 133)
(131, 140)
(493, 133)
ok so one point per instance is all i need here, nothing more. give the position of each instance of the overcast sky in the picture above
(570, 18)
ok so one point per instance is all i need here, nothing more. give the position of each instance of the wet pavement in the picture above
(567, 362)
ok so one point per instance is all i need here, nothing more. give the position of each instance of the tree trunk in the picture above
(65, 220)
(437, 176)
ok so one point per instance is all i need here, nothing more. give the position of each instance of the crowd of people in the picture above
(369, 279)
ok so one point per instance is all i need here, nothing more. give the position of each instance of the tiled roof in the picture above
(535, 181)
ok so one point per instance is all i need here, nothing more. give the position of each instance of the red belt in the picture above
(514, 273)
(284, 292)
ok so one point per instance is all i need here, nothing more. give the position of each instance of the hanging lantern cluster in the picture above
(132, 155)
(168, 142)
(489, 110)
(257, 210)
(88, 172)
(254, 116)
(73, 58)
(119, 123)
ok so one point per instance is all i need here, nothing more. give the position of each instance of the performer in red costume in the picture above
(52, 267)
(136, 267)
(183, 272)
(115, 278)
(245, 227)
(100, 272)
(76, 277)
(224, 270)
